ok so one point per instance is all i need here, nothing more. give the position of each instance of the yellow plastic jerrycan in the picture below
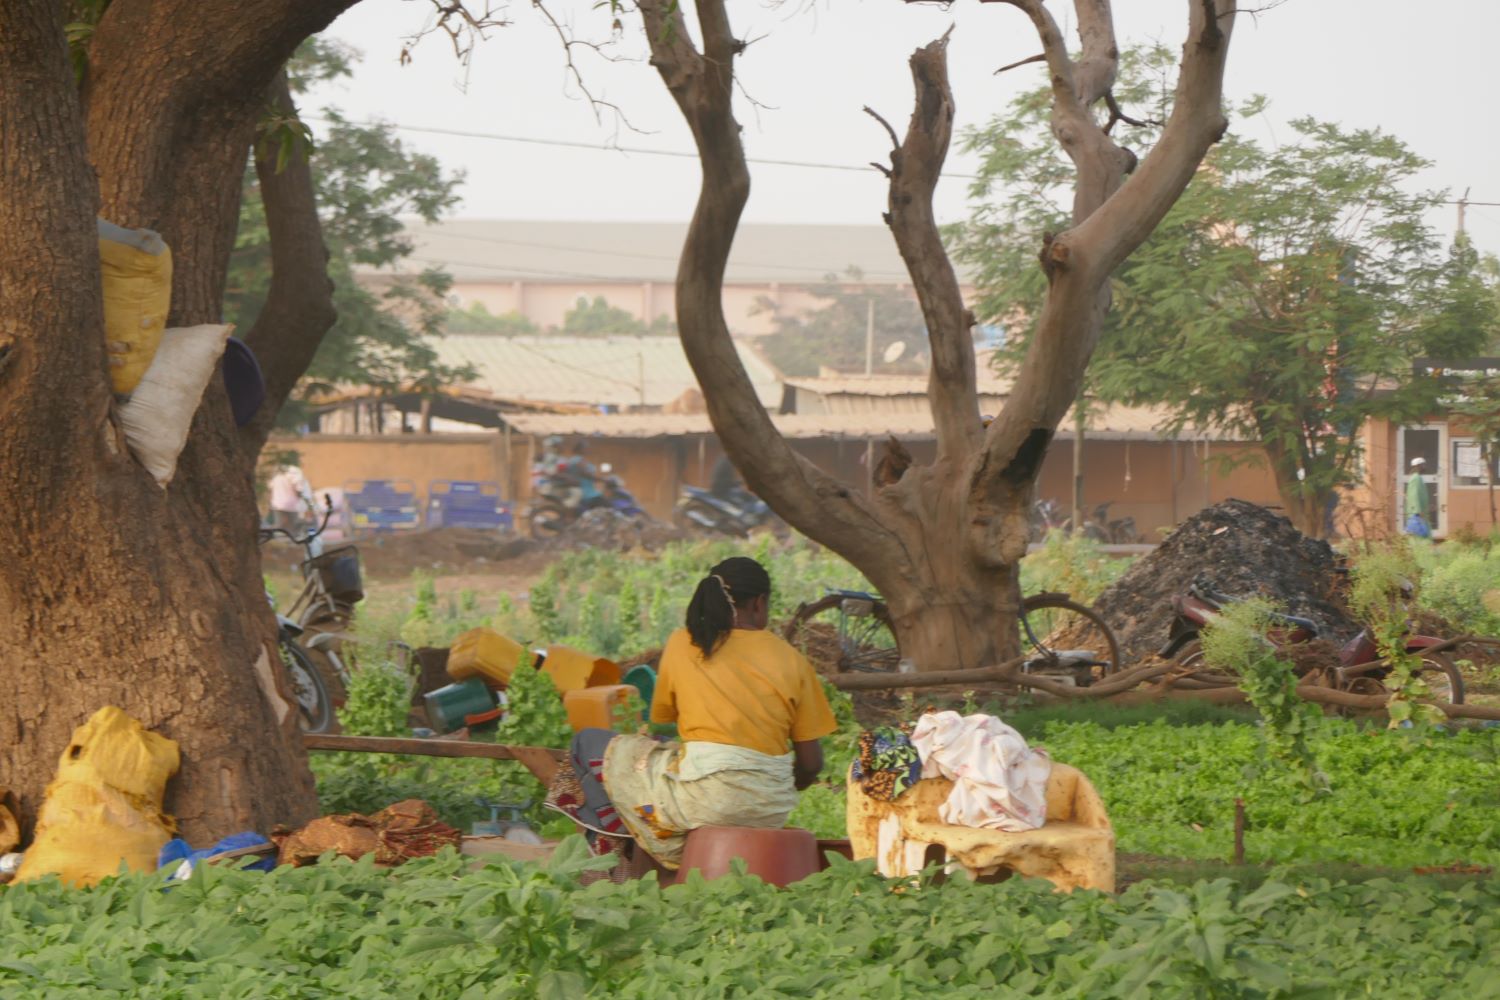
(572, 669)
(597, 707)
(483, 652)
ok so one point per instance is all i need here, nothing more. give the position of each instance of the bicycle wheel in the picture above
(314, 708)
(1059, 635)
(854, 632)
(1443, 678)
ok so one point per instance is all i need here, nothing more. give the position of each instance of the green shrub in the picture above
(1072, 564)
(1461, 586)
(379, 701)
(534, 713)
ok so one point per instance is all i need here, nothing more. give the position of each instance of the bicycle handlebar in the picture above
(266, 534)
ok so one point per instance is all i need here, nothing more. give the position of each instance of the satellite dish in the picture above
(893, 353)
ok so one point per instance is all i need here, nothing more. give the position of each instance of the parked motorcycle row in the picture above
(565, 490)
(1047, 516)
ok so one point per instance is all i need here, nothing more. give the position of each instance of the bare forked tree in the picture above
(942, 541)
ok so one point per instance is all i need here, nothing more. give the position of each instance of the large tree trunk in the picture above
(1306, 508)
(943, 541)
(113, 591)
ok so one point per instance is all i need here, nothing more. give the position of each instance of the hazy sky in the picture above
(1423, 71)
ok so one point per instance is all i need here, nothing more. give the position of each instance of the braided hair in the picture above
(710, 614)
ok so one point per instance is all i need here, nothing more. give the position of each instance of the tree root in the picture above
(1126, 687)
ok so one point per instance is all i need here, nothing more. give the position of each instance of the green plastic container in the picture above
(643, 679)
(447, 706)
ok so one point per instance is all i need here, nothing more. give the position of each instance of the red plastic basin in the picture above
(780, 857)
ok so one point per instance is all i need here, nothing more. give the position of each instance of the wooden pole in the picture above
(1239, 831)
(540, 761)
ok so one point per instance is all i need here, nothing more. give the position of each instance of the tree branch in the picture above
(916, 164)
(1111, 219)
(1117, 115)
(702, 84)
(1101, 56)
(1039, 57)
(298, 309)
(1197, 121)
(568, 42)
(1075, 89)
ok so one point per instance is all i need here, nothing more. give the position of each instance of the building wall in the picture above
(331, 460)
(546, 303)
(1376, 506)
(1158, 483)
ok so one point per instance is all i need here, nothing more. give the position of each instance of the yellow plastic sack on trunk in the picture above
(10, 827)
(103, 808)
(136, 265)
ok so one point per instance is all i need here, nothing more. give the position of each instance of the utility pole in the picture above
(870, 337)
(1080, 428)
(1463, 204)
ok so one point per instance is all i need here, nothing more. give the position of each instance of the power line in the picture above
(839, 273)
(862, 168)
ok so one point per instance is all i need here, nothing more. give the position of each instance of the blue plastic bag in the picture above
(1416, 525)
(178, 849)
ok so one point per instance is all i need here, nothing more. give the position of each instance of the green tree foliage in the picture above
(366, 179)
(597, 318)
(833, 335)
(478, 319)
(1282, 300)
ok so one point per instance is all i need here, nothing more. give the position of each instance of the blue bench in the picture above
(456, 503)
(380, 505)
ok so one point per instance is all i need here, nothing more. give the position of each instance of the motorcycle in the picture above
(1360, 668)
(1119, 532)
(736, 515)
(1047, 517)
(331, 589)
(559, 500)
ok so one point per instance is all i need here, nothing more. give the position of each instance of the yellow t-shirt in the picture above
(756, 691)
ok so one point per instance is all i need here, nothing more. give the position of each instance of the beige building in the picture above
(840, 424)
(542, 269)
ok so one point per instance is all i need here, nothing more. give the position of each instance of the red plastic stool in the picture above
(780, 857)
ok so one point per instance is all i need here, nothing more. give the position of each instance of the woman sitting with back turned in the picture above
(750, 711)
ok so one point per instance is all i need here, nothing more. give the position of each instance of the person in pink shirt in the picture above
(291, 498)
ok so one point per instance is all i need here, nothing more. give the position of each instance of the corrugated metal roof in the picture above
(592, 371)
(989, 384)
(489, 250)
(1114, 424)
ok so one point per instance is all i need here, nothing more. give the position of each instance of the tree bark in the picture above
(1305, 508)
(113, 591)
(299, 306)
(942, 542)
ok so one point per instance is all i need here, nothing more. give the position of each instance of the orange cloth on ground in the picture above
(755, 691)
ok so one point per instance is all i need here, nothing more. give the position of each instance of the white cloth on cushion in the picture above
(999, 782)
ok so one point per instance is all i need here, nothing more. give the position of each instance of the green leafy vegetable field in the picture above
(431, 929)
(1397, 797)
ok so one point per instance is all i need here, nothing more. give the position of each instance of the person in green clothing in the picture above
(1418, 502)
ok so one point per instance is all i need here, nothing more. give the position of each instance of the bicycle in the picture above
(1356, 667)
(324, 607)
(1058, 635)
